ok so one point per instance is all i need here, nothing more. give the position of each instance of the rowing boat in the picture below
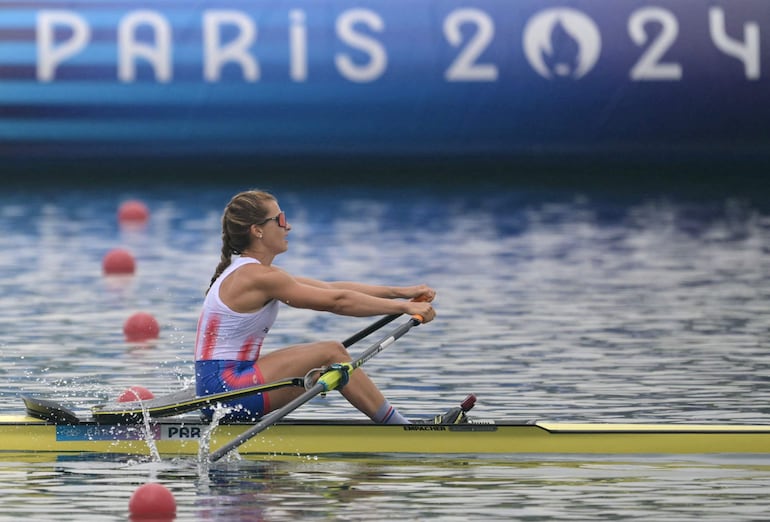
(181, 436)
(147, 427)
(49, 426)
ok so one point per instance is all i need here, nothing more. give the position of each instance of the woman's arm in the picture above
(346, 298)
(422, 292)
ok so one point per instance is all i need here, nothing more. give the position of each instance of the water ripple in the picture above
(557, 306)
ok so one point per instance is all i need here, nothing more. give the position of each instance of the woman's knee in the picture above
(334, 351)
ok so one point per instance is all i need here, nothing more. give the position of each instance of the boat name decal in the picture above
(95, 432)
(182, 432)
(79, 432)
(424, 427)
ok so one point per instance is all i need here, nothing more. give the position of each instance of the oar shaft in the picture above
(328, 381)
(266, 422)
(336, 377)
(350, 341)
(384, 343)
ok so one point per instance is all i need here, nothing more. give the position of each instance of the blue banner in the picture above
(394, 78)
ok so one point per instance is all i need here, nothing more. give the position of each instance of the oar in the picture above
(353, 339)
(335, 378)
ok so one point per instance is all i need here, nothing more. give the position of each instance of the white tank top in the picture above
(224, 334)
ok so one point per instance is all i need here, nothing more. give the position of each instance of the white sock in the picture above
(387, 414)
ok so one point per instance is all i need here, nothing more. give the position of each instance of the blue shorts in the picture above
(221, 376)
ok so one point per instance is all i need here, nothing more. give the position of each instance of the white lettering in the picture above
(49, 55)
(129, 48)
(465, 68)
(217, 55)
(748, 53)
(378, 57)
(229, 38)
(297, 45)
(649, 66)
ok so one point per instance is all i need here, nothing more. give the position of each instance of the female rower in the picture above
(242, 303)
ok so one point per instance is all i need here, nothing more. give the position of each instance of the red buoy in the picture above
(118, 262)
(133, 211)
(136, 393)
(152, 500)
(140, 327)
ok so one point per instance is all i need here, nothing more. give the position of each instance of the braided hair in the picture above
(243, 210)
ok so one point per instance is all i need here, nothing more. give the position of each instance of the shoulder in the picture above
(263, 275)
(251, 274)
(253, 285)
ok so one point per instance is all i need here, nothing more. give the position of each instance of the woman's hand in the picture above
(420, 293)
(423, 309)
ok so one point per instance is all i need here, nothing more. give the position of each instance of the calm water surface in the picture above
(572, 306)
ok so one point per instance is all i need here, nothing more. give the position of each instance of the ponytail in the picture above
(224, 262)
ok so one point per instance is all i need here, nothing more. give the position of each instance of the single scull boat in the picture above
(181, 435)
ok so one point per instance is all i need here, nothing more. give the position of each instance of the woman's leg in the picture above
(296, 361)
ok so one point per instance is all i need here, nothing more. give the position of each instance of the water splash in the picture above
(147, 432)
(204, 443)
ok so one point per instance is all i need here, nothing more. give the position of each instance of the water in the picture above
(560, 305)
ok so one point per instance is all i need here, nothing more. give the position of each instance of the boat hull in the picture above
(183, 437)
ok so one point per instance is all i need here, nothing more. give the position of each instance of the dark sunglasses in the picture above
(280, 219)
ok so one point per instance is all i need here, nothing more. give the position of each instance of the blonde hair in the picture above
(243, 210)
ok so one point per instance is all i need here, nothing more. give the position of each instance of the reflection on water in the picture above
(557, 306)
(97, 488)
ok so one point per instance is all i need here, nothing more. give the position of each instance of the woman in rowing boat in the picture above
(242, 303)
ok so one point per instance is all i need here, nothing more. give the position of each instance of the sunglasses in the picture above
(280, 219)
